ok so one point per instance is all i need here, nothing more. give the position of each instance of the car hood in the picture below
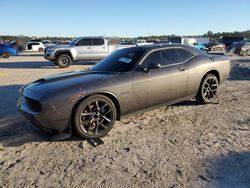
(68, 81)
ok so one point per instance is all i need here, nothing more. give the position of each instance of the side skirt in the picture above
(157, 106)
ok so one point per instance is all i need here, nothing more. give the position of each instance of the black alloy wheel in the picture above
(5, 54)
(63, 60)
(208, 89)
(95, 117)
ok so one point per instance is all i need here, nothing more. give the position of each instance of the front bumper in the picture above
(47, 120)
(49, 56)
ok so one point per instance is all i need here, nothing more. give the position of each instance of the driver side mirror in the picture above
(152, 66)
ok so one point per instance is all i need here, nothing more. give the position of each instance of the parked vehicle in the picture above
(187, 41)
(7, 50)
(201, 47)
(245, 50)
(81, 48)
(35, 46)
(237, 46)
(182, 40)
(47, 42)
(129, 80)
(128, 42)
(227, 41)
(215, 47)
(19, 47)
(141, 42)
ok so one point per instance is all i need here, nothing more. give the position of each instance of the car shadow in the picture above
(38, 64)
(230, 171)
(190, 102)
(15, 130)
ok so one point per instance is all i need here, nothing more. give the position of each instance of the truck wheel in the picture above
(5, 54)
(63, 60)
(40, 49)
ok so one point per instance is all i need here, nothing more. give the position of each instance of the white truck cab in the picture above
(141, 42)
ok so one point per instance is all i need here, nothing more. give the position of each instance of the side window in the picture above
(98, 42)
(35, 43)
(84, 42)
(183, 54)
(170, 56)
(173, 56)
(155, 57)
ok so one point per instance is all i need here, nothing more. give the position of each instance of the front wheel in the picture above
(95, 117)
(5, 54)
(63, 60)
(208, 89)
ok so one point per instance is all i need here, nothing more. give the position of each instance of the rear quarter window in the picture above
(183, 54)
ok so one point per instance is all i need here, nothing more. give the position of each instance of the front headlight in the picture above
(21, 90)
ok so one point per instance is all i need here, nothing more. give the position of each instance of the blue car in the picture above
(6, 51)
(202, 47)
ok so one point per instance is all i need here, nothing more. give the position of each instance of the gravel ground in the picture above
(184, 145)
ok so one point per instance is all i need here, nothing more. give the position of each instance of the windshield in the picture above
(120, 61)
(73, 41)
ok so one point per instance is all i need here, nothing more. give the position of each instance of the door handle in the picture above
(181, 68)
(89, 48)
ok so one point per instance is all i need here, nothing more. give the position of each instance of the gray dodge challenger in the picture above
(128, 81)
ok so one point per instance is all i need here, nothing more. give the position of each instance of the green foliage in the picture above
(245, 34)
(209, 34)
(6, 38)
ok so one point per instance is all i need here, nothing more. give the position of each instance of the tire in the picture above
(94, 117)
(63, 60)
(5, 54)
(205, 50)
(208, 89)
(40, 49)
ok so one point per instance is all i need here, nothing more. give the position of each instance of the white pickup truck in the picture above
(82, 48)
(141, 42)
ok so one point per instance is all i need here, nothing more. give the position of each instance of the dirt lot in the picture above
(184, 145)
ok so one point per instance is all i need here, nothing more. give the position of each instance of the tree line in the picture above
(209, 34)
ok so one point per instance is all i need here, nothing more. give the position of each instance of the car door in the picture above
(100, 48)
(84, 49)
(159, 84)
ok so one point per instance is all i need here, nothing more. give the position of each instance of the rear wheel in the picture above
(208, 89)
(63, 60)
(5, 54)
(40, 50)
(205, 50)
(95, 117)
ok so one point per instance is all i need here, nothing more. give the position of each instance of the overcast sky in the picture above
(122, 18)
